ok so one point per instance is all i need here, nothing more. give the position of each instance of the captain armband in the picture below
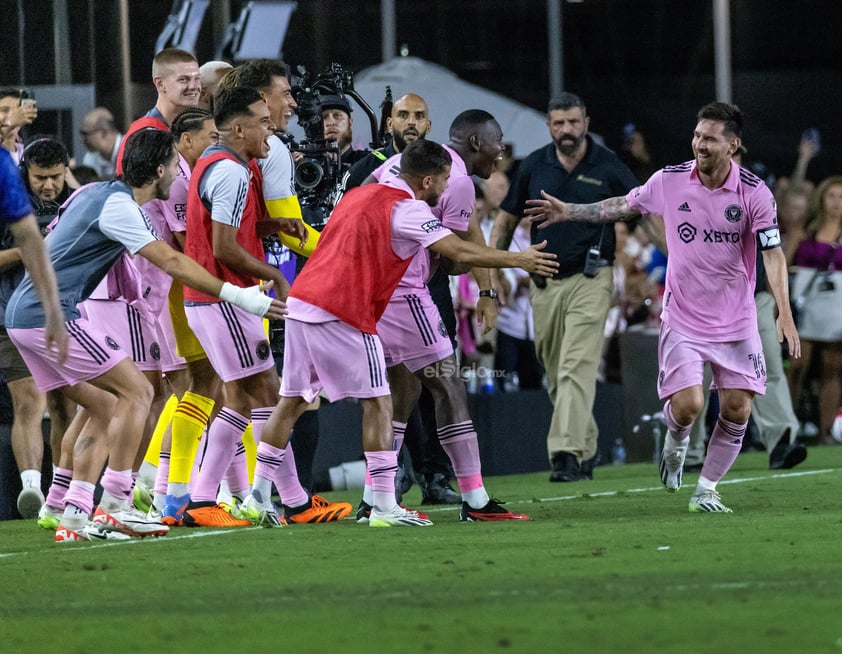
(770, 238)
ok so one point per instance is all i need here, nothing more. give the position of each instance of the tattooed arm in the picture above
(551, 210)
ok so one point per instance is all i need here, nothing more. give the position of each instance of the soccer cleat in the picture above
(671, 465)
(261, 515)
(491, 512)
(318, 509)
(707, 502)
(364, 512)
(397, 517)
(91, 531)
(129, 521)
(30, 501)
(437, 490)
(173, 510)
(49, 517)
(210, 514)
(142, 496)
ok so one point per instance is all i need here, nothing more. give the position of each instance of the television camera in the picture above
(318, 174)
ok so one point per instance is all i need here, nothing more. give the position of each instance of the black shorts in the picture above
(12, 365)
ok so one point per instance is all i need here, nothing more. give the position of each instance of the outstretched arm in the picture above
(551, 210)
(531, 259)
(183, 268)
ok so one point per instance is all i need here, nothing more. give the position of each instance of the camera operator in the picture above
(338, 125)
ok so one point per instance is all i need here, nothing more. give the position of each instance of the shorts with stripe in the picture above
(412, 332)
(170, 360)
(129, 327)
(233, 339)
(187, 345)
(733, 364)
(333, 356)
(91, 353)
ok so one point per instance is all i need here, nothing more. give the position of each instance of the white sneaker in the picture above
(129, 521)
(707, 502)
(671, 465)
(48, 517)
(397, 517)
(262, 515)
(30, 501)
(91, 531)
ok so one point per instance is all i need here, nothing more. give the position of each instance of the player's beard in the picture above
(401, 142)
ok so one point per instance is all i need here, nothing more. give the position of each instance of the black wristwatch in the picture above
(489, 293)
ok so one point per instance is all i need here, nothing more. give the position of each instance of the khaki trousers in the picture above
(570, 318)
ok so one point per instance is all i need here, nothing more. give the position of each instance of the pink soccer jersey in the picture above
(454, 209)
(709, 293)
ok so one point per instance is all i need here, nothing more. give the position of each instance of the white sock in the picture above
(368, 495)
(146, 473)
(705, 485)
(476, 498)
(178, 489)
(109, 503)
(262, 490)
(74, 518)
(31, 479)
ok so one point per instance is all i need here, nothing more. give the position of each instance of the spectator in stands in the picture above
(15, 113)
(820, 252)
(102, 140)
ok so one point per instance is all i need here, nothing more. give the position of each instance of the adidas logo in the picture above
(684, 207)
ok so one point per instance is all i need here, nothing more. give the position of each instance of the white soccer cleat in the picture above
(671, 465)
(397, 517)
(49, 517)
(30, 501)
(90, 532)
(262, 515)
(707, 502)
(129, 521)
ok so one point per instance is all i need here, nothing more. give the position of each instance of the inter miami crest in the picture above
(110, 342)
(262, 350)
(733, 213)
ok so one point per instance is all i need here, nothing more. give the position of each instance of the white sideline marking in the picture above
(777, 475)
(219, 532)
(562, 498)
(135, 541)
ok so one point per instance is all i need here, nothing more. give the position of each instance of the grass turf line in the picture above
(607, 569)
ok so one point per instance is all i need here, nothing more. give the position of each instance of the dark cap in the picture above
(335, 102)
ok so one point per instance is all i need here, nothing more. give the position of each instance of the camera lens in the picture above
(309, 174)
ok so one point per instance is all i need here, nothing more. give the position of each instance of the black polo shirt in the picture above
(598, 176)
(358, 173)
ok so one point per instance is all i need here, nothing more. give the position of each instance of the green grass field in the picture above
(612, 565)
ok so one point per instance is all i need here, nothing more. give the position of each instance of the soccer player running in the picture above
(715, 212)
(99, 224)
(332, 341)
